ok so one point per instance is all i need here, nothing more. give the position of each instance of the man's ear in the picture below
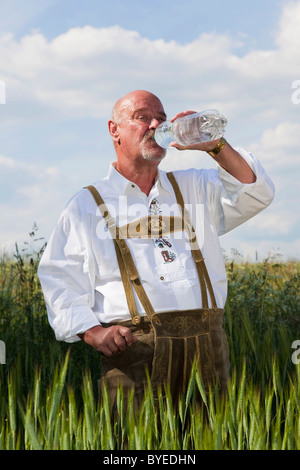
(114, 130)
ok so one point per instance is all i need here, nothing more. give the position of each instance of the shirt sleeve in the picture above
(232, 202)
(66, 273)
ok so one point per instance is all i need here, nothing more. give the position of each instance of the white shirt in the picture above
(79, 272)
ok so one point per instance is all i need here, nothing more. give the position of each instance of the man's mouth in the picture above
(149, 137)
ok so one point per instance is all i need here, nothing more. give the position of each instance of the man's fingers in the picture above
(109, 341)
(118, 340)
(106, 350)
(127, 335)
(182, 114)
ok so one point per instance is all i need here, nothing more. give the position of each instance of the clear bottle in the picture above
(192, 129)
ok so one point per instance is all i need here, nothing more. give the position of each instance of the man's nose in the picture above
(154, 123)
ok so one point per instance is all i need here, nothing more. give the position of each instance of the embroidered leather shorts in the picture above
(166, 348)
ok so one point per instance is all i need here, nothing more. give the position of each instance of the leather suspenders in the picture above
(129, 273)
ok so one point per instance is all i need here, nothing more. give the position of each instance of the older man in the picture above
(134, 266)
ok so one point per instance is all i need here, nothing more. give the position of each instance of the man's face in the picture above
(139, 115)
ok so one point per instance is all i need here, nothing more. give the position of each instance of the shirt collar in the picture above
(118, 181)
(122, 185)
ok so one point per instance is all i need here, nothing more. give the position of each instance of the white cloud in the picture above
(81, 72)
(86, 69)
(28, 192)
(281, 61)
(276, 221)
(279, 146)
(289, 33)
(7, 162)
(36, 171)
(83, 68)
(180, 160)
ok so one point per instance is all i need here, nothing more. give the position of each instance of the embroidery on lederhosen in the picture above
(161, 243)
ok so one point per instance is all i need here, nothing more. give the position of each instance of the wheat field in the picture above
(48, 390)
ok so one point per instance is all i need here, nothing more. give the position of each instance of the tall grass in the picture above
(263, 317)
(246, 418)
(48, 390)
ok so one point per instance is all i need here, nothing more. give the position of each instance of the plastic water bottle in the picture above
(192, 129)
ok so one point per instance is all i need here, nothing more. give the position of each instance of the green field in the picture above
(48, 390)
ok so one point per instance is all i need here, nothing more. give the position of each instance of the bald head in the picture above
(128, 101)
(135, 117)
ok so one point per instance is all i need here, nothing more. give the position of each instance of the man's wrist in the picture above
(215, 150)
(89, 333)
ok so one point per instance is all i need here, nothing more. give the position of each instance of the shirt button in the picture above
(161, 278)
(133, 185)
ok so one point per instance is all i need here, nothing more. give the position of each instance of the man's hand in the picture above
(204, 146)
(109, 340)
(227, 158)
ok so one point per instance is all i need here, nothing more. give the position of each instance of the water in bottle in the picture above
(192, 129)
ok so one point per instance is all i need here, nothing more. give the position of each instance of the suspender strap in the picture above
(134, 277)
(195, 250)
(129, 273)
(125, 276)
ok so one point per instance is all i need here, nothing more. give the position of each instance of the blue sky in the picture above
(65, 63)
(166, 19)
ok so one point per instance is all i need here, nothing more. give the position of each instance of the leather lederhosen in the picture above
(168, 342)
